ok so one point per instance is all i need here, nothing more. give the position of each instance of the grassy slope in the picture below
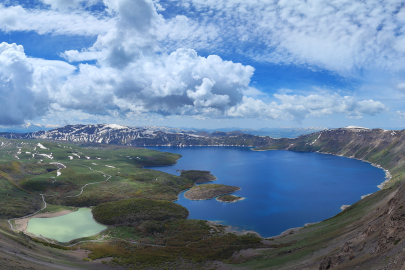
(23, 179)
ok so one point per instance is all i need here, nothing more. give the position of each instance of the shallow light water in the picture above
(283, 189)
(68, 227)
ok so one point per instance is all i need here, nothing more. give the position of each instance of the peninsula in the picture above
(229, 198)
(208, 191)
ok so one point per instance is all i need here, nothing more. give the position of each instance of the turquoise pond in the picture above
(283, 189)
(68, 227)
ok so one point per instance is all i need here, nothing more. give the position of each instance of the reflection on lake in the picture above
(68, 227)
(283, 189)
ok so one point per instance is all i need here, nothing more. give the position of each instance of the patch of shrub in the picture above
(198, 176)
(32, 185)
(135, 211)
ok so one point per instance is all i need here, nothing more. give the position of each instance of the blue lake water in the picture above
(283, 189)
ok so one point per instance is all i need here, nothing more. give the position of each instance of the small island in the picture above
(209, 191)
(197, 177)
(229, 198)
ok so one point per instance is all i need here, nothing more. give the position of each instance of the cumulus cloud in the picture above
(179, 83)
(25, 84)
(136, 75)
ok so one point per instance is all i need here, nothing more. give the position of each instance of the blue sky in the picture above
(204, 64)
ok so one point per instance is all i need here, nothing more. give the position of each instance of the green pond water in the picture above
(68, 227)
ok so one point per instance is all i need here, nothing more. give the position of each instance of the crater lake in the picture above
(283, 189)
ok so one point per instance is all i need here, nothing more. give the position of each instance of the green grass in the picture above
(51, 208)
(124, 164)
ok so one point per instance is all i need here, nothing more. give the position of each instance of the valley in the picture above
(85, 174)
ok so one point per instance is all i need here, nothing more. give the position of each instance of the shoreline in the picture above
(388, 178)
(22, 224)
(230, 229)
(388, 175)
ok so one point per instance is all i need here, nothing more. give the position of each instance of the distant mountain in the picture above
(157, 136)
(283, 132)
(141, 136)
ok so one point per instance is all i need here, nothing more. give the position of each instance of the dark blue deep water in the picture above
(283, 189)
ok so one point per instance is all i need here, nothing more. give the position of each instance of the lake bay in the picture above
(283, 189)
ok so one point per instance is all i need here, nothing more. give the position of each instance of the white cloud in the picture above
(69, 4)
(179, 83)
(400, 114)
(400, 86)
(138, 73)
(296, 107)
(77, 22)
(336, 35)
(340, 36)
(26, 84)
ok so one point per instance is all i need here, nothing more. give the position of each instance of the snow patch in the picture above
(115, 126)
(47, 156)
(70, 157)
(316, 139)
(41, 146)
(76, 155)
(354, 127)
(87, 157)
(343, 207)
(109, 166)
(60, 165)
